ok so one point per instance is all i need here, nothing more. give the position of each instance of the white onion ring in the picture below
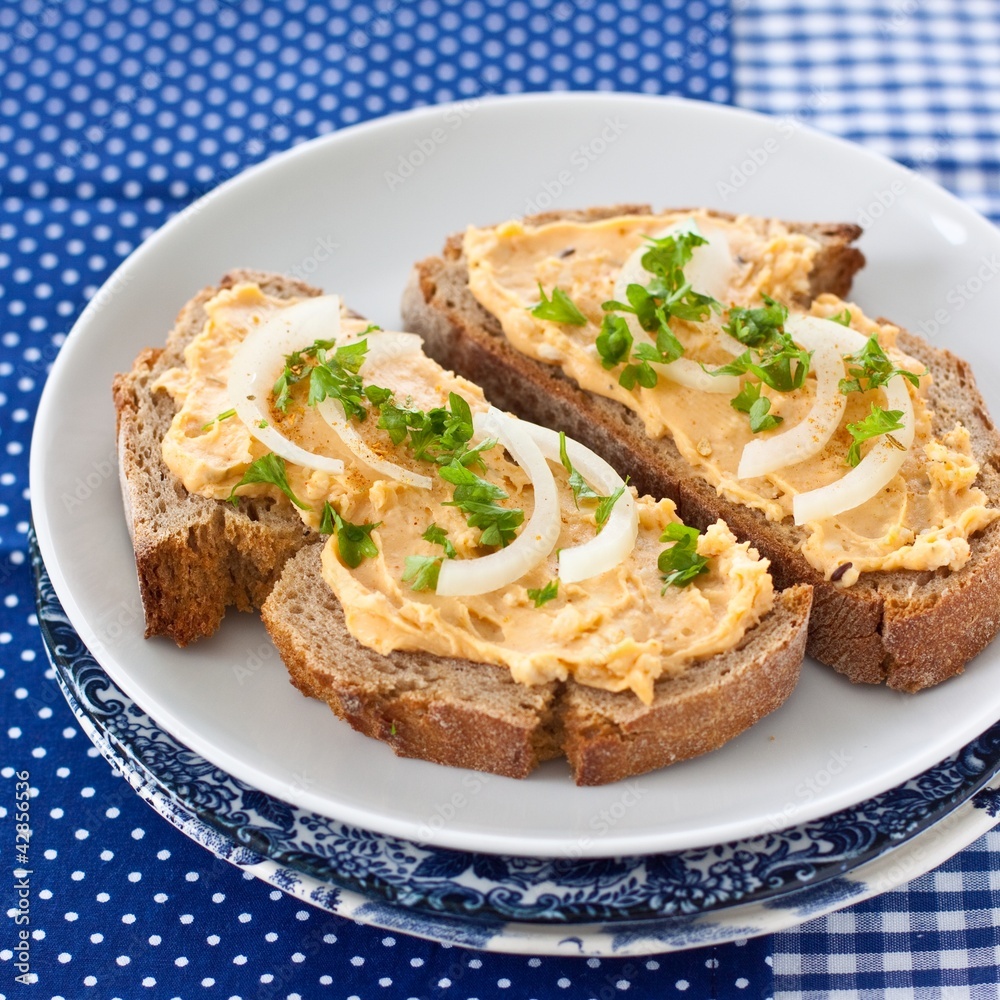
(382, 346)
(809, 436)
(708, 273)
(871, 474)
(471, 577)
(615, 542)
(259, 361)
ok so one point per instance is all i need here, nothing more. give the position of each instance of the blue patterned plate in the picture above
(297, 847)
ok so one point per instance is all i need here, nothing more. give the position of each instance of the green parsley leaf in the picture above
(579, 486)
(439, 536)
(225, 415)
(667, 294)
(439, 435)
(680, 564)
(421, 572)
(750, 401)
(330, 376)
(476, 498)
(870, 368)
(877, 422)
(614, 342)
(781, 366)
(760, 418)
(559, 309)
(757, 327)
(354, 541)
(541, 595)
(269, 468)
(843, 317)
(607, 504)
(327, 526)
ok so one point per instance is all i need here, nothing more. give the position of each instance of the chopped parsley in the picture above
(421, 572)
(870, 368)
(758, 327)
(269, 468)
(614, 342)
(225, 415)
(541, 595)
(680, 564)
(354, 541)
(559, 309)
(750, 401)
(476, 498)
(877, 422)
(332, 372)
(607, 504)
(843, 317)
(579, 486)
(435, 533)
(440, 435)
(781, 366)
(668, 294)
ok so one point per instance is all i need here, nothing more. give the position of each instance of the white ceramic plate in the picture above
(340, 212)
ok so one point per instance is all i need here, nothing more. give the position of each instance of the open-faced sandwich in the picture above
(471, 588)
(712, 358)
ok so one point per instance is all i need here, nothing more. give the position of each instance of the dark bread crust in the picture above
(909, 630)
(474, 715)
(194, 556)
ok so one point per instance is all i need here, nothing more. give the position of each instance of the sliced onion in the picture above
(708, 271)
(382, 347)
(871, 474)
(259, 361)
(615, 542)
(470, 577)
(810, 435)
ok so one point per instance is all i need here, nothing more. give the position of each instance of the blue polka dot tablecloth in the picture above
(115, 114)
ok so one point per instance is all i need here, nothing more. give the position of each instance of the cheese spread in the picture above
(922, 519)
(621, 630)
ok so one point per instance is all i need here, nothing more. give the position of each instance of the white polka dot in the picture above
(213, 939)
(123, 960)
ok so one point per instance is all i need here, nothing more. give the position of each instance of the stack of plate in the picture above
(842, 793)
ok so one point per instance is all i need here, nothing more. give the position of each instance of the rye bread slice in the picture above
(909, 630)
(195, 557)
(467, 714)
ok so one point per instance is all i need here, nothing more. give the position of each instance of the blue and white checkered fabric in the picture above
(918, 80)
(938, 936)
